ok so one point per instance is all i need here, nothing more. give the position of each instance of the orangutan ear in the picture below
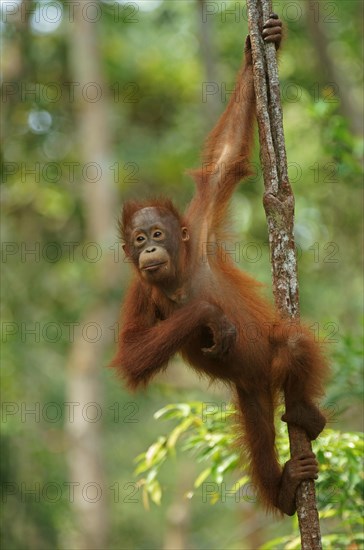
(185, 234)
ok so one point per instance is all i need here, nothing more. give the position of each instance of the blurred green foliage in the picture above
(154, 70)
(207, 435)
(206, 432)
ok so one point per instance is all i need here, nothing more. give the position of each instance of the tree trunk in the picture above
(279, 207)
(86, 359)
(209, 64)
(335, 74)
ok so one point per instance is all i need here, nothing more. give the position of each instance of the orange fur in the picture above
(267, 355)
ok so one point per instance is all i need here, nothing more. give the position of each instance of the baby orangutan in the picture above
(185, 299)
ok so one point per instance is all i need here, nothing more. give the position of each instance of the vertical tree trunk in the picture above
(335, 73)
(279, 207)
(208, 59)
(179, 513)
(86, 360)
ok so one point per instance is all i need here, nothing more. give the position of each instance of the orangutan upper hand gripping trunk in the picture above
(189, 297)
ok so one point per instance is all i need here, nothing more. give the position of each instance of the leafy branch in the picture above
(209, 437)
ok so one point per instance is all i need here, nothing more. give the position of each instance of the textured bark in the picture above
(279, 208)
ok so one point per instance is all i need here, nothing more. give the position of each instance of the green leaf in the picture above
(155, 492)
(177, 432)
(232, 459)
(201, 478)
(156, 451)
(173, 411)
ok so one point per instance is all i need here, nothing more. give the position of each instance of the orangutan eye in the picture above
(157, 234)
(140, 239)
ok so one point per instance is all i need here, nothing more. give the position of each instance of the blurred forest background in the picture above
(107, 100)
